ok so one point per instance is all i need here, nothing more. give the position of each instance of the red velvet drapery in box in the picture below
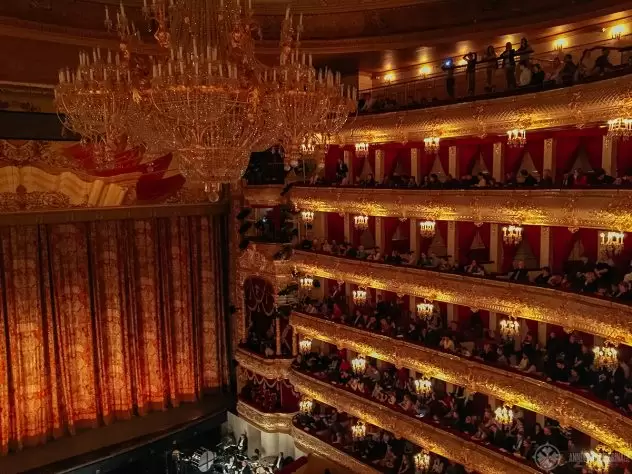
(334, 152)
(100, 319)
(335, 227)
(259, 303)
(563, 242)
(570, 143)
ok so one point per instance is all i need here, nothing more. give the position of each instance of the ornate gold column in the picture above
(277, 330)
(495, 247)
(452, 162)
(545, 261)
(609, 155)
(294, 342)
(348, 227)
(549, 155)
(452, 251)
(379, 165)
(348, 159)
(498, 171)
(414, 163)
(414, 236)
(380, 238)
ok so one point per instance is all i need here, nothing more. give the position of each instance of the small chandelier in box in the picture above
(425, 309)
(431, 145)
(307, 216)
(307, 147)
(362, 149)
(306, 406)
(305, 346)
(612, 242)
(427, 229)
(620, 128)
(606, 357)
(422, 461)
(509, 328)
(504, 415)
(358, 365)
(358, 431)
(516, 138)
(306, 282)
(512, 235)
(361, 222)
(359, 297)
(423, 386)
(598, 459)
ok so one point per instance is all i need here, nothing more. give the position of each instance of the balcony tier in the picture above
(570, 409)
(592, 315)
(268, 195)
(272, 369)
(589, 208)
(268, 422)
(580, 105)
(432, 438)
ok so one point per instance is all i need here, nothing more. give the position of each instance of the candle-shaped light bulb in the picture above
(300, 20)
(122, 10)
(107, 14)
(287, 13)
(109, 56)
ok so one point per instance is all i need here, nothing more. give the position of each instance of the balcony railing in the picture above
(444, 442)
(591, 315)
(566, 406)
(269, 422)
(586, 208)
(269, 368)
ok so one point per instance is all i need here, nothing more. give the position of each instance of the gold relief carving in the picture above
(579, 105)
(471, 455)
(21, 200)
(268, 422)
(311, 444)
(266, 196)
(600, 317)
(274, 369)
(603, 424)
(588, 208)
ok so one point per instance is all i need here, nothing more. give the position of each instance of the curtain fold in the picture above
(105, 320)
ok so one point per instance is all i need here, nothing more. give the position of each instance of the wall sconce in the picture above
(617, 31)
(425, 70)
(560, 43)
(389, 77)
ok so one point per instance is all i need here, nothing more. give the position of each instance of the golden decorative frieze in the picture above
(574, 208)
(311, 444)
(570, 409)
(469, 454)
(264, 195)
(268, 422)
(595, 102)
(601, 317)
(274, 369)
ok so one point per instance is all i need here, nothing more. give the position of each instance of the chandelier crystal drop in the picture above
(612, 242)
(427, 229)
(425, 309)
(358, 365)
(361, 222)
(606, 356)
(431, 145)
(509, 329)
(512, 235)
(517, 138)
(422, 461)
(504, 415)
(620, 128)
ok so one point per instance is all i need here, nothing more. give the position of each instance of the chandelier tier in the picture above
(358, 365)
(427, 229)
(512, 235)
(606, 356)
(620, 128)
(423, 386)
(509, 329)
(425, 309)
(305, 346)
(517, 138)
(422, 461)
(504, 415)
(359, 296)
(598, 459)
(361, 222)
(612, 242)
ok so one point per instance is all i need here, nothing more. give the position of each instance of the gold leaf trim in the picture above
(274, 369)
(264, 196)
(268, 422)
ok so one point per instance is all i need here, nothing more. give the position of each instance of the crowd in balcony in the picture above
(521, 70)
(378, 448)
(454, 411)
(565, 359)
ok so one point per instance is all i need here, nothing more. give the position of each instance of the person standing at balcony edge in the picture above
(508, 57)
(491, 61)
(448, 67)
(341, 171)
(470, 72)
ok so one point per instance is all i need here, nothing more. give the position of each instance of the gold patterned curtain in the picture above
(105, 320)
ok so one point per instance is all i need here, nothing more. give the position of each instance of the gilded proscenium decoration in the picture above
(588, 208)
(311, 444)
(268, 422)
(274, 369)
(603, 424)
(579, 105)
(264, 195)
(612, 321)
(471, 455)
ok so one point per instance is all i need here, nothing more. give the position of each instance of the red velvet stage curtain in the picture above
(334, 152)
(104, 319)
(335, 227)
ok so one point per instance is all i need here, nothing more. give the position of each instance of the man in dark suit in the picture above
(519, 273)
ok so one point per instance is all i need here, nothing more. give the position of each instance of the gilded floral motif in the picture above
(269, 422)
(270, 368)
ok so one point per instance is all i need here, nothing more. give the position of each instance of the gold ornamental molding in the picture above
(579, 105)
(274, 369)
(604, 318)
(589, 208)
(312, 445)
(607, 426)
(268, 422)
(265, 195)
(469, 454)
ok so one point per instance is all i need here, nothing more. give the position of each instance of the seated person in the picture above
(544, 276)
(474, 269)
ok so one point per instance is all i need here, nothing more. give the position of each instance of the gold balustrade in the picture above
(601, 317)
(573, 208)
(274, 369)
(570, 409)
(468, 453)
(268, 422)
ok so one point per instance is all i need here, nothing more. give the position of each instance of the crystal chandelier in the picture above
(307, 216)
(427, 229)
(358, 431)
(509, 328)
(359, 297)
(306, 406)
(612, 242)
(620, 128)
(606, 356)
(361, 222)
(512, 235)
(423, 386)
(598, 459)
(504, 415)
(306, 282)
(358, 365)
(159, 13)
(422, 461)
(516, 138)
(305, 346)
(431, 145)
(362, 149)
(308, 147)
(425, 309)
